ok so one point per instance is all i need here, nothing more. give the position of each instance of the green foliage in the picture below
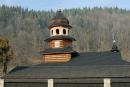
(5, 51)
(4, 43)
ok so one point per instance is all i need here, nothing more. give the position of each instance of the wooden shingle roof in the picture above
(59, 20)
(58, 50)
(82, 65)
(60, 37)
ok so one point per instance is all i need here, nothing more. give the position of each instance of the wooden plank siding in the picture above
(57, 57)
(63, 43)
(67, 43)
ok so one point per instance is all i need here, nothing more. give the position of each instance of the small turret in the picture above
(114, 47)
(59, 43)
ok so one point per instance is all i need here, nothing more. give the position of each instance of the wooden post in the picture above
(107, 82)
(50, 83)
(1, 82)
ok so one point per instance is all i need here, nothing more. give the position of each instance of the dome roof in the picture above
(114, 47)
(59, 20)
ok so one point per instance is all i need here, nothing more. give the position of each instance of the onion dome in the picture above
(59, 20)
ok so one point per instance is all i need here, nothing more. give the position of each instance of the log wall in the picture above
(57, 57)
(63, 43)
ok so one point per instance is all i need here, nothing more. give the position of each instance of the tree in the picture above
(94, 27)
(6, 53)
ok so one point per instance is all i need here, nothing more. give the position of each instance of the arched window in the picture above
(57, 31)
(64, 31)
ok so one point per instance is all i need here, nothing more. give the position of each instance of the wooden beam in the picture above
(107, 82)
(1, 82)
(50, 83)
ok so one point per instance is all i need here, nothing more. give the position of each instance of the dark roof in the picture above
(60, 37)
(59, 20)
(83, 65)
(55, 24)
(93, 58)
(44, 72)
(58, 50)
(59, 15)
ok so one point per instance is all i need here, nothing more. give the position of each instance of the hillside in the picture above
(93, 29)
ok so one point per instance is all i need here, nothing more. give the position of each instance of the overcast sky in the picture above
(62, 4)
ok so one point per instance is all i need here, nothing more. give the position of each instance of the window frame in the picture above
(57, 31)
(64, 31)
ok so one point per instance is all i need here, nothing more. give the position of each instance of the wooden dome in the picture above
(59, 20)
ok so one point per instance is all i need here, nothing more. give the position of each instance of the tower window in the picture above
(64, 31)
(57, 31)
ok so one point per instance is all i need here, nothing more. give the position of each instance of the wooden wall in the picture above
(63, 43)
(67, 43)
(62, 57)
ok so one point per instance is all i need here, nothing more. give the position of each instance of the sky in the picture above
(65, 4)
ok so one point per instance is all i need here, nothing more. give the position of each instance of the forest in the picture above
(93, 28)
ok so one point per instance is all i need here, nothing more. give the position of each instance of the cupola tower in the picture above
(114, 47)
(59, 43)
